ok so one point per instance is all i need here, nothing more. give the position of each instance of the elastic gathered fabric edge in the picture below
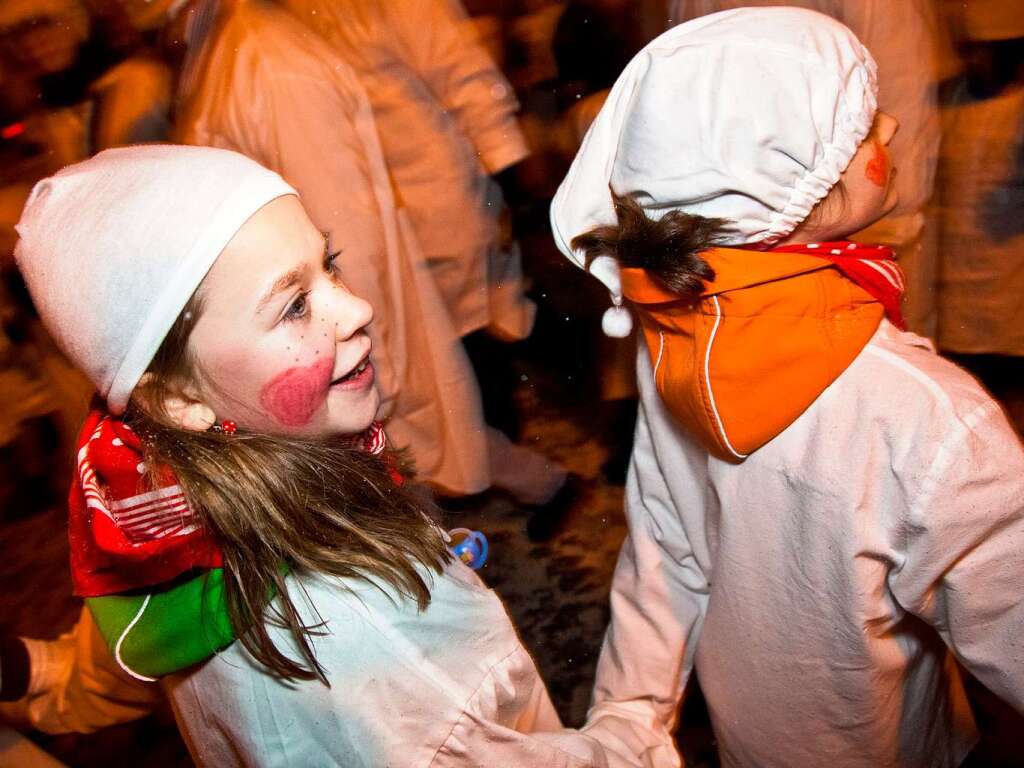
(853, 125)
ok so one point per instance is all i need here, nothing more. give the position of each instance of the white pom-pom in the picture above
(616, 322)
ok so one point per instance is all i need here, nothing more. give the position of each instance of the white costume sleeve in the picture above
(462, 75)
(963, 561)
(658, 599)
(76, 686)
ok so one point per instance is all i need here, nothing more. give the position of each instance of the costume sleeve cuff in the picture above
(501, 148)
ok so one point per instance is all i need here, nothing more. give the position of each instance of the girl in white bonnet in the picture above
(822, 513)
(237, 525)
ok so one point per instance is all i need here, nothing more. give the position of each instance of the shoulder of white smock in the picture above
(919, 385)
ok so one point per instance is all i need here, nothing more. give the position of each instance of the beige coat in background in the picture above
(260, 83)
(446, 119)
(981, 266)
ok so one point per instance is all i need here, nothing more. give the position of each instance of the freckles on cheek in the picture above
(292, 397)
(877, 169)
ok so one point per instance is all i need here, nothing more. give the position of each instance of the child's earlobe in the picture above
(190, 415)
(181, 409)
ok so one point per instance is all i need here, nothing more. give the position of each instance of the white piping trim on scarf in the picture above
(707, 378)
(661, 351)
(120, 640)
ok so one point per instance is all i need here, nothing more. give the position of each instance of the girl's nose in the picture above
(886, 126)
(353, 315)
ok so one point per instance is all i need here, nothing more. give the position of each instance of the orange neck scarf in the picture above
(740, 364)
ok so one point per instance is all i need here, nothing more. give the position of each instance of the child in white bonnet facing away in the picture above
(822, 512)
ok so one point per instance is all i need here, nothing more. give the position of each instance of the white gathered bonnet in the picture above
(748, 115)
(113, 248)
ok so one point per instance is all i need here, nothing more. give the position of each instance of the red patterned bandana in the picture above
(130, 528)
(872, 267)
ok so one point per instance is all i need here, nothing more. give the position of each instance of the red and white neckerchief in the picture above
(130, 527)
(374, 441)
(872, 267)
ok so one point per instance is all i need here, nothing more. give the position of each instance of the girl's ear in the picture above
(182, 408)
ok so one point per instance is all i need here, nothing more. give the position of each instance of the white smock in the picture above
(818, 587)
(448, 686)
(258, 82)
(446, 118)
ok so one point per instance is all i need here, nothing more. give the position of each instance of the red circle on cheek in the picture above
(293, 396)
(877, 169)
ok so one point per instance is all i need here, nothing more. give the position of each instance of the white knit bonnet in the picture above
(113, 248)
(748, 115)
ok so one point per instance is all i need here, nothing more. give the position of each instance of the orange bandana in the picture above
(763, 340)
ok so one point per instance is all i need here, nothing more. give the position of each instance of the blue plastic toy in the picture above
(469, 546)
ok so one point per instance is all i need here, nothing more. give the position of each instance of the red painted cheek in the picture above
(877, 169)
(293, 396)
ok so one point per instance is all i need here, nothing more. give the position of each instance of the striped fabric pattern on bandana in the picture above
(872, 267)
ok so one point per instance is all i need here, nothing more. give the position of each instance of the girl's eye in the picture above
(298, 308)
(329, 266)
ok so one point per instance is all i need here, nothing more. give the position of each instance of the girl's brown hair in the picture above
(314, 506)
(669, 249)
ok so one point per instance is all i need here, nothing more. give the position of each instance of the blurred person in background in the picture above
(446, 117)
(65, 93)
(256, 80)
(908, 44)
(981, 202)
(54, 59)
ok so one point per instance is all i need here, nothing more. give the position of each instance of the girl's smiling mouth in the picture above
(359, 377)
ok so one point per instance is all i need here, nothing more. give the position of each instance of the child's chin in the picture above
(357, 417)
